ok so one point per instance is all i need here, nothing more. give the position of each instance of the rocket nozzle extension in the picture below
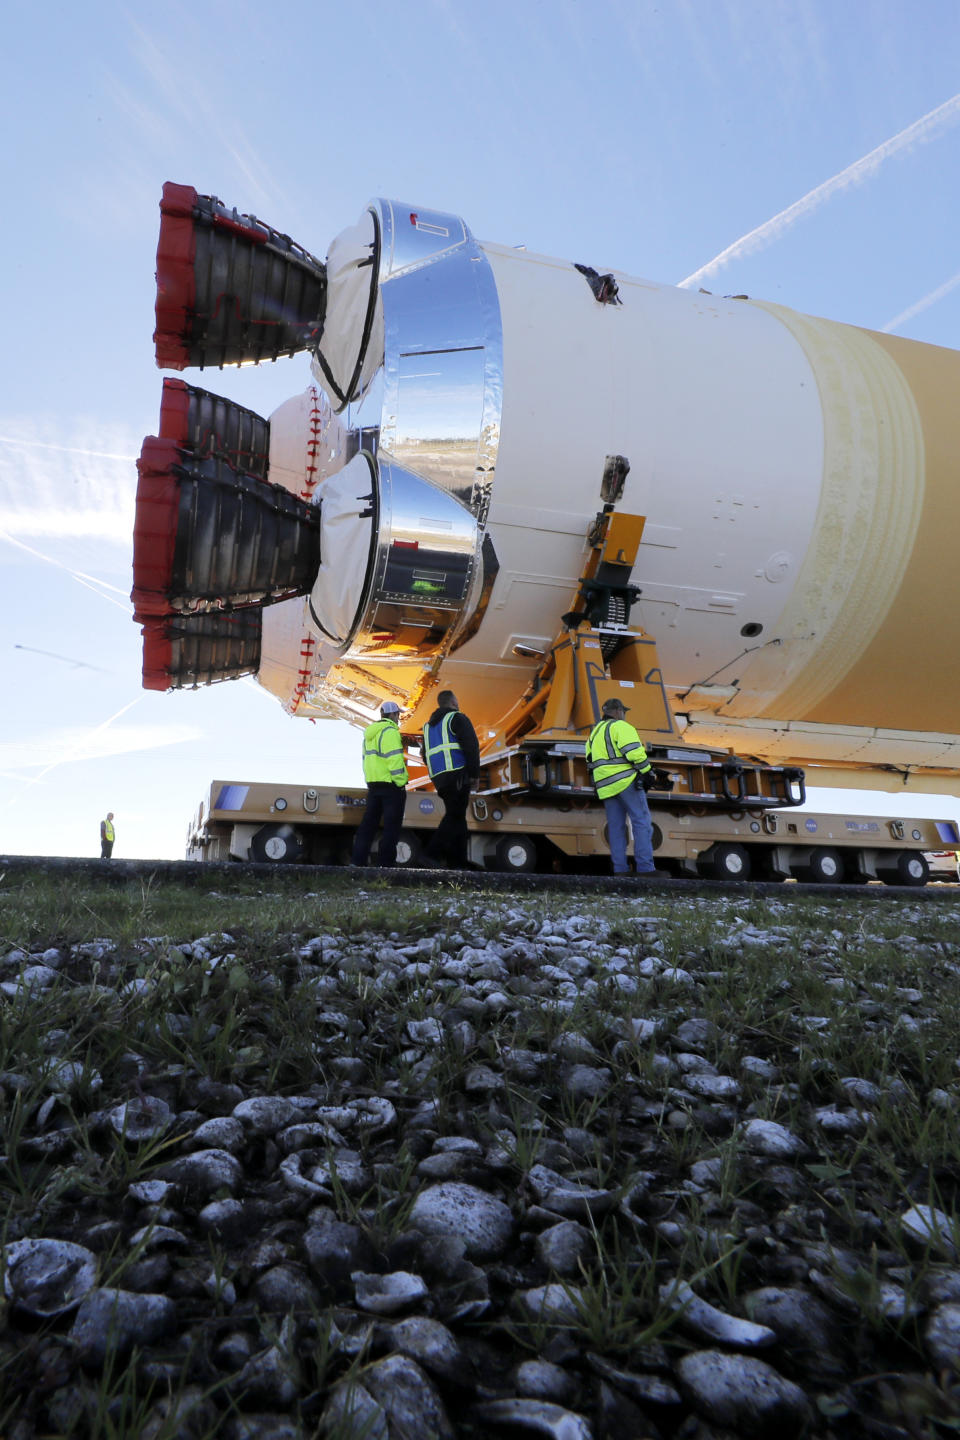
(230, 289)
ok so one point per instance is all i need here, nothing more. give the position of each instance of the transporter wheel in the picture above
(904, 867)
(517, 853)
(409, 850)
(823, 866)
(277, 845)
(725, 862)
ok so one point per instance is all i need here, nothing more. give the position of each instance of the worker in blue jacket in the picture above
(451, 752)
(385, 772)
(621, 774)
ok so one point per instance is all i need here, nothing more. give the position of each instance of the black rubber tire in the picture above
(516, 853)
(725, 862)
(906, 867)
(409, 850)
(277, 845)
(823, 866)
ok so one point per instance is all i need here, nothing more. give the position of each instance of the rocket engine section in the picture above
(798, 479)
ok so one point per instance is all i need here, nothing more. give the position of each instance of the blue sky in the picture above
(649, 137)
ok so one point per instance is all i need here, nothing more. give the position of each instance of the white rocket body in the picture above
(798, 477)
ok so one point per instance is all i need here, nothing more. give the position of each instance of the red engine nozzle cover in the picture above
(209, 424)
(210, 537)
(176, 294)
(155, 527)
(190, 650)
(230, 289)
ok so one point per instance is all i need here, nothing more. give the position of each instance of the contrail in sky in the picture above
(84, 739)
(67, 659)
(89, 581)
(923, 304)
(771, 230)
(66, 449)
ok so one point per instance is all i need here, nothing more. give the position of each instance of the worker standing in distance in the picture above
(621, 774)
(385, 771)
(107, 836)
(451, 752)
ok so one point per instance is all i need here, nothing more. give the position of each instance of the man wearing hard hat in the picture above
(621, 774)
(385, 772)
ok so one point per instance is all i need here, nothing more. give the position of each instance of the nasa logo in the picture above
(811, 825)
(426, 807)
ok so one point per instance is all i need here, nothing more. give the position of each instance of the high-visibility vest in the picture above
(383, 760)
(615, 757)
(108, 832)
(441, 749)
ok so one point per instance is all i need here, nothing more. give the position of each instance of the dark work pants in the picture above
(386, 802)
(106, 849)
(449, 844)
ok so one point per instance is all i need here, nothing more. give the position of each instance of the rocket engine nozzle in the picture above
(181, 651)
(209, 424)
(230, 289)
(211, 532)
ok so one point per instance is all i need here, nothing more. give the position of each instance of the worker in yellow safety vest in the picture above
(385, 772)
(621, 774)
(107, 836)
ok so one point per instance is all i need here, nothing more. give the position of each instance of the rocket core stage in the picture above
(416, 518)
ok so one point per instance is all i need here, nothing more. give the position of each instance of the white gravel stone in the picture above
(768, 1137)
(141, 1119)
(709, 1323)
(266, 1114)
(111, 1319)
(388, 1294)
(577, 1202)
(424, 1032)
(711, 1087)
(860, 1091)
(431, 1345)
(841, 1122)
(762, 1069)
(206, 1171)
(353, 1414)
(562, 1247)
(536, 1416)
(223, 1132)
(541, 1380)
(149, 1192)
(555, 1304)
(942, 1336)
(587, 1082)
(409, 1398)
(745, 1394)
(932, 1227)
(47, 1277)
(459, 1210)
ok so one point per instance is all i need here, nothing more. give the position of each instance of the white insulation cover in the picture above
(346, 533)
(350, 274)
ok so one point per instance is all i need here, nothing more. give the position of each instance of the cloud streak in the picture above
(68, 746)
(923, 129)
(79, 486)
(89, 582)
(922, 305)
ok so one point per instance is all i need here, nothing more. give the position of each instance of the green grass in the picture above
(821, 995)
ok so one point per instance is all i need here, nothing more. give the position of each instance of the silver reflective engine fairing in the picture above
(429, 420)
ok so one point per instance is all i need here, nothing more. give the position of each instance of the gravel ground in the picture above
(666, 1166)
